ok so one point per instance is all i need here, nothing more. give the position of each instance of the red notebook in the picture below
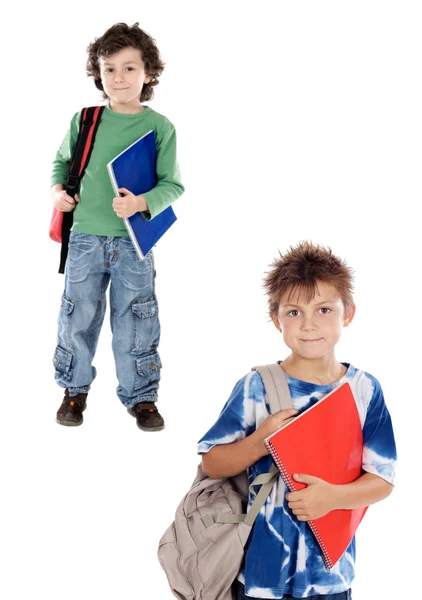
(324, 441)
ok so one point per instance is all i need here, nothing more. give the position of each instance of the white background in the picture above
(297, 120)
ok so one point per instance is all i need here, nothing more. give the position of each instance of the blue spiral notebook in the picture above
(134, 169)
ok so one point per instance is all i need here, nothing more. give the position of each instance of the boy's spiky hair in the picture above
(299, 270)
(121, 36)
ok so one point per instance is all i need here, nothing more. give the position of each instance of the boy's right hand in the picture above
(63, 202)
(273, 423)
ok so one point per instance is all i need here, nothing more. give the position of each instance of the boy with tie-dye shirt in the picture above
(310, 301)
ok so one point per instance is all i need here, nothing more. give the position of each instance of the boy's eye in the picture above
(293, 313)
(109, 70)
(325, 310)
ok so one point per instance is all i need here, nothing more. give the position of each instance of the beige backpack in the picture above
(202, 550)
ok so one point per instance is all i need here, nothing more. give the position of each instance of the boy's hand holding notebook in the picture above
(324, 442)
(134, 170)
(127, 204)
(313, 502)
(273, 423)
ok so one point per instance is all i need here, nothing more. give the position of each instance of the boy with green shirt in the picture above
(125, 64)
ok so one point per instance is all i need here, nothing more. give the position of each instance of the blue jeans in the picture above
(347, 595)
(93, 263)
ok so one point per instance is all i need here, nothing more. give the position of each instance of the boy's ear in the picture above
(275, 320)
(349, 314)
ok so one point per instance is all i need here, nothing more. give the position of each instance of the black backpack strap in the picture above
(90, 120)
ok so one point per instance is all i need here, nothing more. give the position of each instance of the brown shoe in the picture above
(70, 412)
(147, 416)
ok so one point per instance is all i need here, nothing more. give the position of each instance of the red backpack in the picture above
(61, 222)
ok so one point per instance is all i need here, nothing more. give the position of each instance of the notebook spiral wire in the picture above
(290, 484)
(283, 472)
(325, 556)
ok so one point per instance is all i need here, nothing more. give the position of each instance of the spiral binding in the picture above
(283, 472)
(290, 484)
(325, 556)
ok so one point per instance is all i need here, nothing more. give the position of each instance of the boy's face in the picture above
(312, 329)
(123, 76)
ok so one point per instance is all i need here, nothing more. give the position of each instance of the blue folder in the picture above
(134, 169)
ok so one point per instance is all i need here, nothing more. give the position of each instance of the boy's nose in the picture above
(118, 76)
(308, 325)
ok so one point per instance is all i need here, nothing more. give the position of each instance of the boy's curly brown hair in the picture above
(121, 36)
(300, 269)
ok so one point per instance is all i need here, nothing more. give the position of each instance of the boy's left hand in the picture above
(314, 501)
(129, 204)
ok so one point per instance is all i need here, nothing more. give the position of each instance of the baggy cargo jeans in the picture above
(93, 263)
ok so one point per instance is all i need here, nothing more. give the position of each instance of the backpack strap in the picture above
(263, 493)
(276, 387)
(278, 394)
(88, 125)
(266, 481)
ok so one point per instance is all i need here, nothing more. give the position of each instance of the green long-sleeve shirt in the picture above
(94, 213)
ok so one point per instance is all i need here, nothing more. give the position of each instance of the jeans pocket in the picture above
(145, 326)
(63, 364)
(147, 370)
(67, 305)
(65, 322)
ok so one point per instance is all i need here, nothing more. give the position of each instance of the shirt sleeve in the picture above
(231, 425)
(64, 154)
(379, 448)
(169, 185)
(243, 412)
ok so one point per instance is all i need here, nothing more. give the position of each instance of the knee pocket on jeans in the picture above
(147, 370)
(145, 325)
(67, 305)
(63, 363)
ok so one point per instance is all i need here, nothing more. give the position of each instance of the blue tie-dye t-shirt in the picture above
(282, 556)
